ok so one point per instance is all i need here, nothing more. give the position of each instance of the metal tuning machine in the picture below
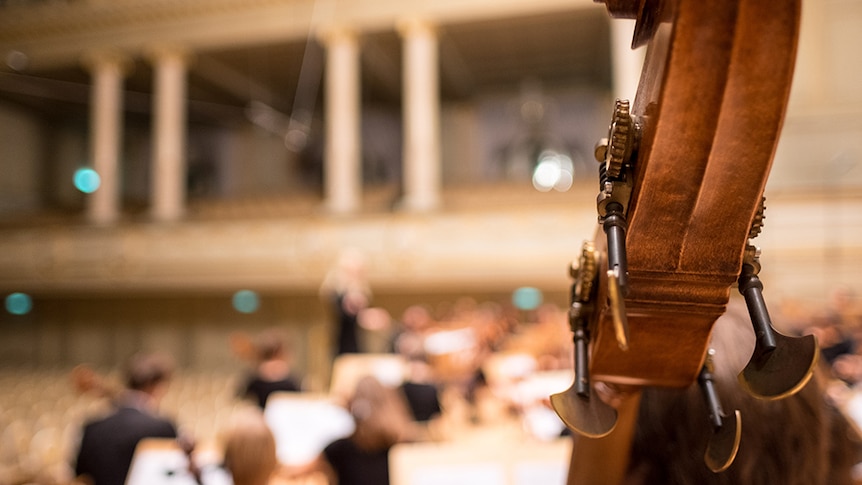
(614, 155)
(726, 430)
(780, 365)
(581, 410)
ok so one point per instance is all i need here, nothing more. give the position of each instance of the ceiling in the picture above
(565, 49)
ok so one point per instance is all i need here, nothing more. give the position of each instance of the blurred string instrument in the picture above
(86, 380)
(682, 175)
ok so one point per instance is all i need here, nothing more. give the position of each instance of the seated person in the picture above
(799, 440)
(249, 451)
(382, 420)
(420, 391)
(108, 444)
(272, 371)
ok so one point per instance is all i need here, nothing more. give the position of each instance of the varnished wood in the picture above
(710, 106)
(711, 103)
(605, 460)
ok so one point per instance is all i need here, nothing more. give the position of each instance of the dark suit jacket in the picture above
(108, 445)
(422, 399)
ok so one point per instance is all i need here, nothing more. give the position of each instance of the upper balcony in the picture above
(511, 73)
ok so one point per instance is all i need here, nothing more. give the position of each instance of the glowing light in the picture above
(567, 174)
(546, 175)
(246, 301)
(554, 171)
(19, 303)
(87, 180)
(527, 298)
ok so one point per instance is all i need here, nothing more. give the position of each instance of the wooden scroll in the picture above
(710, 105)
(682, 181)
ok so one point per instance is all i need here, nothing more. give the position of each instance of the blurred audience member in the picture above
(419, 386)
(382, 420)
(844, 308)
(409, 338)
(108, 445)
(249, 450)
(421, 391)
(848, 369)
(833, 341)
(272, 372)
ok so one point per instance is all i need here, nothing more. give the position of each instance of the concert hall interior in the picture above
(188, 176)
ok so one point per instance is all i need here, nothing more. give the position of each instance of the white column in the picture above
(106, 122)
(421, 113)
(626, 63)
(342, 157)
(168, 191)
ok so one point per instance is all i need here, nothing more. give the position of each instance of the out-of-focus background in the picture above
(176, 172)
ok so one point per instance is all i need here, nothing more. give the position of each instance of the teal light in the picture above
(19, 303)
(527, 298)
(246, 301)
(87, 180)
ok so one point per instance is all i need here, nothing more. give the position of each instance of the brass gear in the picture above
(620, 137)
(757, 223)
(588, 268)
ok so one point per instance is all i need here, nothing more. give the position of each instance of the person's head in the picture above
(798, 440)
(270, 344)
(149, 372)
(249, 449)
(381, 415)
(416, 318)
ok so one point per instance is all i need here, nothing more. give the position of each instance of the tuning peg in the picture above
(615, 225)
(618, 308)
(577, 407)
(615, 154)
(581, 411)
(780, 365)
(588, 416)
(581, 340)
(726, 432)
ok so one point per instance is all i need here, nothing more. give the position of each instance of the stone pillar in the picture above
(421, 113)
(106, 133)
(168, 190)
(342, 157)
(626, 63)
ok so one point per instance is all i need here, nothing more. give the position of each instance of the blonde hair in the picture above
(249, 449)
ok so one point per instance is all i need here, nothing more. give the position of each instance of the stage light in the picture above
(87, 180)
(546, 175)
(553, 171)
(527, 298)
(246, 301)
(19, 303)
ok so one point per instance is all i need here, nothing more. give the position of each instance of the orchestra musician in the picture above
(108, 444)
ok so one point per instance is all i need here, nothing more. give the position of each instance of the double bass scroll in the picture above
(681, 184)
